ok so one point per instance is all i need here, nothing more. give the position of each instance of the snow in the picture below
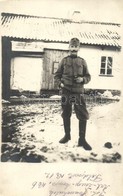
(55, 97)
(109, 95)
(5, 101)
(31, 133)
(107, 126)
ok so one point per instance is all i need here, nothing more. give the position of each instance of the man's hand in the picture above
(79, 79)
(61, 85)
(60, 89)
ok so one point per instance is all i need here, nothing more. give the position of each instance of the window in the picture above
(55, 67)
(106, 65)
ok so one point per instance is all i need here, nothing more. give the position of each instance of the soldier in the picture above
(71, 76)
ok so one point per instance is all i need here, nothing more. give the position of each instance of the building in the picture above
(33, 46)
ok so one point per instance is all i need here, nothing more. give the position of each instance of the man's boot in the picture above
(67, 137)
(82, 131)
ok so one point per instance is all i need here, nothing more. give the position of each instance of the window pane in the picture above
(110, 59)
(103, 65)
(103, 59)
(109, 63)
(55, 66)
(109, 71)
(102, 71)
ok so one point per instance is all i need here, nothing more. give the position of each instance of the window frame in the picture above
(55, 66)
(106, 66)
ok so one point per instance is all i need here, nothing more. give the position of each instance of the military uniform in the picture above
(70, 68)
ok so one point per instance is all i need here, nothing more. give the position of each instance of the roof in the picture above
(60, 30)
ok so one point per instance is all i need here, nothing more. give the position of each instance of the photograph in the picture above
(61, 89)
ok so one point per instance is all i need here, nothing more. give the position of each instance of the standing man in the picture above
(71, 76)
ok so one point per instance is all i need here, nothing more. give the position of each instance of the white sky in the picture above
(97, 10)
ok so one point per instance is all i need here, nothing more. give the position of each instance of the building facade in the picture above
(32, 48)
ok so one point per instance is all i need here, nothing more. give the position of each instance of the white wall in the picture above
(92, 55)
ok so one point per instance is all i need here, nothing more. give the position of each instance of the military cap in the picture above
(74, 42)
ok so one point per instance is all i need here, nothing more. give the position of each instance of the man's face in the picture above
(73, 49)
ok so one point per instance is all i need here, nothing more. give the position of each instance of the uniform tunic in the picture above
(69, 69)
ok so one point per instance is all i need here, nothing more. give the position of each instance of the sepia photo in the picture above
(61, 89)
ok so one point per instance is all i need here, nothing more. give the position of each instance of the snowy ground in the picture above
(31, 133)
